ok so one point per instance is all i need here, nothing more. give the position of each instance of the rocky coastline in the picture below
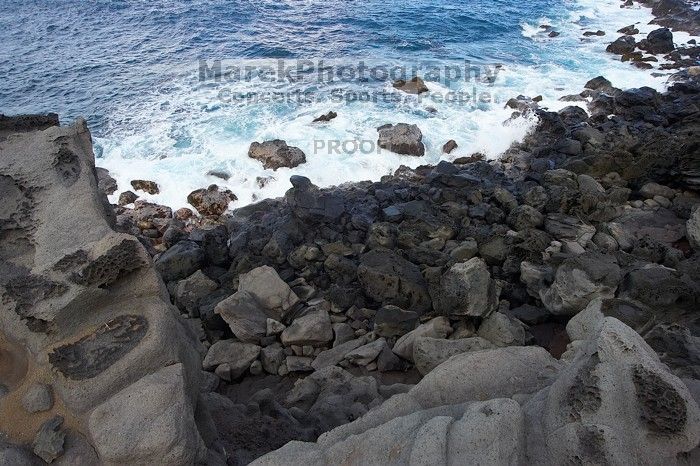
(541, 308)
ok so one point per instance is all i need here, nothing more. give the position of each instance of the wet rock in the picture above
(212, 201)
(150, 187)
(401, 138)
(313, 329)
(598, 83)
(276, 154)
(49, 440)
(392, 321)
(389, 279)
(449, 146)
(105, 182)
(466, 289)
(629, 30)
(414, 86)
(564, 227)
(658, 41)
(327, 117)
(221, 174)
(38, 398)
(622, 45)
(428, 353)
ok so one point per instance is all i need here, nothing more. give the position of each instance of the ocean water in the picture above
(134, 70)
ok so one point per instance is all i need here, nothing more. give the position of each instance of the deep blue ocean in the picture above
(132, 69)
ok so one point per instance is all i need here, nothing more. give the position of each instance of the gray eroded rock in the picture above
(439, 327)
(333, 356)
(367, 353)
(239, 356)
(261, 294)
(502, 330)
(428, 353)
(466, 289)
(158, 431)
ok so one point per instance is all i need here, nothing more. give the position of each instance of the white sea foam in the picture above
(178, 136)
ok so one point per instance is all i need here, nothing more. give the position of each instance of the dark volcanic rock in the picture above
(151, 187)
(658, 41)
(623, 45)
(414, 86)
(276, 154)
(389, 279)
(449, 146)
(327, 117)
(401, 138)
(211, 202)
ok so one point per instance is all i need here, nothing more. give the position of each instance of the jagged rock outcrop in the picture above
(95, 321)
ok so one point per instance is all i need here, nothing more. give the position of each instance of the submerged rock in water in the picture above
(413, 86)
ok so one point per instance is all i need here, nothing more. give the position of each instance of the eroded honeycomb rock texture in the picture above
(662, 408)
(94, 353)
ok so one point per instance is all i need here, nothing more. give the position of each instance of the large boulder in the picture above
(261, 294)
(147, 422)
(658, 41)
(401, 138)
(466, 289)
(390, 279)
(276, 154)
(580, 279)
